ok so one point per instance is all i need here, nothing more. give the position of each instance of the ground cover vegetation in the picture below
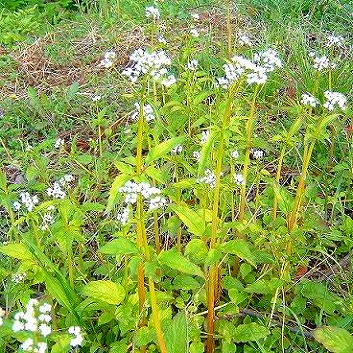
(176, 176)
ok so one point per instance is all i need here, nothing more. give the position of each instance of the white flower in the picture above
(26, 200)
(235, 154)
(177, 149)
(147, 110)
(321, 62)
(152, 12)
(44, 318)
(162, 39)
(239, 179)
(192, 65)
(27, 345)
(194, 32)
(170, 80)
(96, 98)
(147, 63)
(257, 153)
(205, 136)
(78, 339)
(245, 40)
(209, 178)
(56, 191)
(195, 16)
(59, 143)
(333, 99)
(123, 217)
(42, 347)
(334, 41)
(18, 277)
(156, 202)
(45, 308)
(197, 155)
(108, 59)
(45, 330)
(308, 99)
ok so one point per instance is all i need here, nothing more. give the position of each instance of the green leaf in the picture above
(195, 223)
(197, 347)
(17, 250)
(196, 250)
(173, 259)
(205, 154)
(118, 182)
(120, 246)
(250, 332)
(263, 286)
(185, 282)
(107, 291)
(163, 148)
(176, 335)
(240, 248)
(320, 295)
(335, 339)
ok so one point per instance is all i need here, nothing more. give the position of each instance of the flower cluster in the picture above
(333, 99)
(256, 71)
(321, 62)
(235, 154)
(205, 136)
(177, 150)
(48, 218)
(59, 143)
(209, 178)
(150, 193)
(308, 99)
(147, 110)
(245, 40)
(239, 179)
(123, 217)
(35, 319)
(192, 65)
(18, 277)
(2, 314)
(257, 153)
(78, 338)
(152, 12)
(153, 64)
(197, 155)
(334, 41)
(194, 33)
(58, 190)
(27, 201)
(108, 59)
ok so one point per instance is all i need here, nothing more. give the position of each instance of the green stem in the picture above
(250, 125)
(278, 177)
(292, 222)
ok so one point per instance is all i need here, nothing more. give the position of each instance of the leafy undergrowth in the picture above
(177, 177)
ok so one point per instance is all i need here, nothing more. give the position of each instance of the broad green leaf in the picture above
(240, 248)
(263, 286)
(163, 148)
(185, 282)
(196, 250)
(250, 332)
(173, 259)
(197, 347)
(118, 182)
(195, 223)
(335, 339)
(120, 246)
(176, 335)
(205, 154)
(107, 291)
(320, 295)
(17, 250)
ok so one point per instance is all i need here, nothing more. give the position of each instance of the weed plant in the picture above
(177, 177)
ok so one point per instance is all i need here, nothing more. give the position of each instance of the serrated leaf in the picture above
(250, 332)
(118, 182)
(120, 246)
(240, 248)
(175, 260)
(163, 148)
(263, 286)
(176, 335)
(105, 290)
(335, 339)
(196, 250)
(195, 223)
(17, 251)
